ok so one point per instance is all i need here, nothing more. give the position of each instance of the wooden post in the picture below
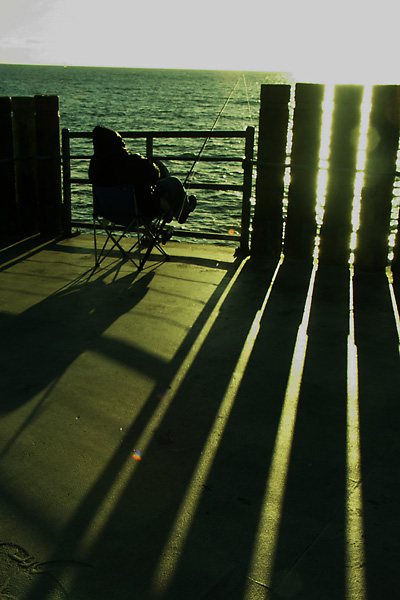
(9, 221)
(337, 225)
(48, 166)
(377, 194)
(25, 171)
(66, 168)
(301, 224)
(396, 252)
(149, 147)
(247, 188)
(273, 124)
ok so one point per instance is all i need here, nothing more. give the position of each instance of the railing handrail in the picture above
(246, 160)
(201, 133)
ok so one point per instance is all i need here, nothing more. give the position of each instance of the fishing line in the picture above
(212, 129)
(248, 99)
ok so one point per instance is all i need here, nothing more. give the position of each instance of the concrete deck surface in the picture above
(268, 445)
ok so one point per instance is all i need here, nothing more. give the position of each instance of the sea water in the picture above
(155, 100)
(159, 100)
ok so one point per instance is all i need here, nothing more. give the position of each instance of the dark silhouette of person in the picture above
(157, 193)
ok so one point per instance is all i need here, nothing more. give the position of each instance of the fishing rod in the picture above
(212, 129)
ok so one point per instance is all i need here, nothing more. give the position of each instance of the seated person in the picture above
(157, 193)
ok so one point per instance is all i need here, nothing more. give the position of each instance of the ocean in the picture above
(156, 100)
(160, 100)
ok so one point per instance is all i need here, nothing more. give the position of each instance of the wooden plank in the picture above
(273, 124)
(301, 224)
(337, 226)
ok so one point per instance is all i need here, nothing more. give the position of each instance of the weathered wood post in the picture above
(48, 165)
(273, 124)
(337, 225)
(66, 178)
(377, 194)
(307, 122)
(25, 169)
(396, 253)
(247, 188)
(9, 220)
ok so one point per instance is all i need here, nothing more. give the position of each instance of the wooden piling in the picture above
(396, 253)
(337, 224)
(9, 221)
(307, 122)
(247, 190)
(273, 124)
(48, 165)
(395, 116)
(66, 181)
(377, 194)
(25, 169)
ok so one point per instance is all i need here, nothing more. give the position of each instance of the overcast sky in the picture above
(342, 41)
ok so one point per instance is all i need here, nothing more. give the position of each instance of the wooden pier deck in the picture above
(210, 428)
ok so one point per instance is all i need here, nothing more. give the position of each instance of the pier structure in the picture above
(349, 182)
(30, 166)
(217, 426)
(320, 168)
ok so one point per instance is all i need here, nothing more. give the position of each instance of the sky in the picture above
(341, 41)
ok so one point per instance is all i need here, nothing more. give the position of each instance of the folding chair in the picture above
(115, 211)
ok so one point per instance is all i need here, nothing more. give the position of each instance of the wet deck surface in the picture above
(268, 437)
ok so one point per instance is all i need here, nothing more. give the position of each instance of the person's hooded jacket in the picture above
(111, 164)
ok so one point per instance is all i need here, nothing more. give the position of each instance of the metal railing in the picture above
(245, 187)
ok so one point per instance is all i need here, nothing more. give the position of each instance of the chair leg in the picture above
(152, 231)
(96, 262)
(114, 243)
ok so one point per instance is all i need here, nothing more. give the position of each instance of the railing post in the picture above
(48, 165)
(268, 223)
(9, 222)
(247, 189)
(149, 147)
(66, 168)
(380, 166)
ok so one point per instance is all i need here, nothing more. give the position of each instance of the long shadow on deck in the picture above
(379, 370)
(186, 522)
(128, 552)
(39, 344)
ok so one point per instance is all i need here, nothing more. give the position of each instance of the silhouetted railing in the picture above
(245, 187)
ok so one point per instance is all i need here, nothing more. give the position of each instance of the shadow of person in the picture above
(39, 344)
